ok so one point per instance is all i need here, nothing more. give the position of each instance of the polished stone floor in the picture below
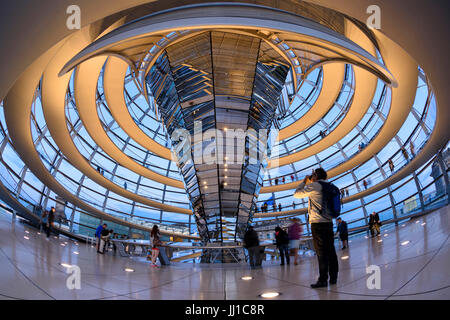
(31, 269)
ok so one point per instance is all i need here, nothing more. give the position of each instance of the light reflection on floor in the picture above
(418, 269)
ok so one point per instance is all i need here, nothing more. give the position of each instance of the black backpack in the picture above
(331, 199)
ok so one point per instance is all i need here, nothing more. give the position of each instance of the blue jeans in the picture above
(284, 251)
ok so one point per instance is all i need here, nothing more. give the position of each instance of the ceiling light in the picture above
(66, 265)
(380, 240)
(76, 252)
(403, 225)
(26, 231)
(417, 221)
(225, 184)
(129, 270)
(26, 237)
(423, 224)
(246, 278)
(269, 295)
(63, 245)
(404, 243)
(344, 257)
(204, 182)
(385, 234)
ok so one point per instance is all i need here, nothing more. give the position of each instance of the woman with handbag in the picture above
(154, 236)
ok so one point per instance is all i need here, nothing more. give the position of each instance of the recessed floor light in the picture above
(129, 270)
(25, 237)
(380, 240)
(404, 243)
(246, 278)
(270, 295)
(63, 245)
(344, 257)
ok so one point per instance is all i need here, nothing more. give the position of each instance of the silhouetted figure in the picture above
(405, 154)
(282, 242)
(374, 224)
(251, 243)
(343, 232)
(391, 165)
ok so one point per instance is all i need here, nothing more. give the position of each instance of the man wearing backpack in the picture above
(323, 205)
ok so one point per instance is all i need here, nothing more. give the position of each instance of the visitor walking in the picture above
(156, 242)
(294, 234)
(343, 232)
(282, 243)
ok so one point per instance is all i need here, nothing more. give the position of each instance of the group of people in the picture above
(321, 228)
(265, 207)
(287, 242)
(282, 179)
(321, 223)
(104, 237)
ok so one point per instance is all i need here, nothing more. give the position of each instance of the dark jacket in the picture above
(342, 228)
(374, 219)
(281, 237)
(251, 239)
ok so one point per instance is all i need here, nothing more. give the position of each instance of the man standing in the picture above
(343, 232)
(374, 224)
(321, 227)
(251, 243)
(98, 235)
(50, 220)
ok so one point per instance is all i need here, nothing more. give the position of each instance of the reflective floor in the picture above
(31, 269)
